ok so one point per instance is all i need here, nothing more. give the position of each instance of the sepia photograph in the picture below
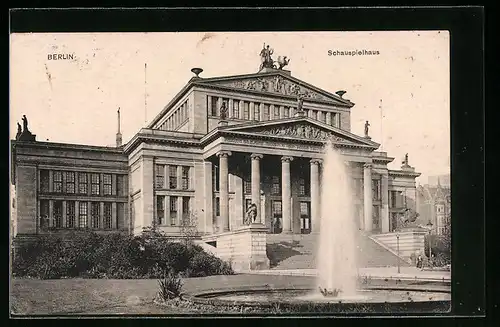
(213, 173)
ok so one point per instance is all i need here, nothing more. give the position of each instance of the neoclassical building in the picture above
(221, 144)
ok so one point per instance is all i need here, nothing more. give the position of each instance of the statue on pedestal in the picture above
(251, 214)
(19, 131)
(223, 111)
(265, 57)
(25, 124)
(367, 124)
(405, 160)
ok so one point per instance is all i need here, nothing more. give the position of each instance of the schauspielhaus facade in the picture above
(219, 146)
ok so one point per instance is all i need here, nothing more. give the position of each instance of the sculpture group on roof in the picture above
(24, 134)
(268, 62)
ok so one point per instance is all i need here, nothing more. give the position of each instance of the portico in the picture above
(275, 167)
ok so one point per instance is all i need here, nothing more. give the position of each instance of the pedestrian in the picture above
(419, 261)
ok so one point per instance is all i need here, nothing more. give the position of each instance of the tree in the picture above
(189, 227)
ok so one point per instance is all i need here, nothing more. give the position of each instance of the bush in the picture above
(170, 287)
(440, 247)
(90, 255)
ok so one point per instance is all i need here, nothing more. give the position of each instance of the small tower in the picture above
(118, 133)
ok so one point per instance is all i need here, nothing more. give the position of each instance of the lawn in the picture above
(124, 296)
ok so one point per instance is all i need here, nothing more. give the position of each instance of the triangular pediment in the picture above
(276, 83)
(306, 129)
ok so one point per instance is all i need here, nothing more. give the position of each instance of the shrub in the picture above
(91, 255)
(170, 287)
(440, 247)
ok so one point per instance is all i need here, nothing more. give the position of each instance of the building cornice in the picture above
(404, 173)
(67, 146)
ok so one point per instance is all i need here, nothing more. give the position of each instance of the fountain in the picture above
(337, 270)
(336, 282)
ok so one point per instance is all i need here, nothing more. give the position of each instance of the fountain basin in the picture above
(303, 300)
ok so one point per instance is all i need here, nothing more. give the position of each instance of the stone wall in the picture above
(244, 248)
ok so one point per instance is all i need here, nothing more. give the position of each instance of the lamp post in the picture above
(397, 238)
(429, 225)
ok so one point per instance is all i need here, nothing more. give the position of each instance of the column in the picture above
(166, 209)
(77, 214)
(113, 184)
(368, 205)
(51, 181)
(384, 214)
(114, 222)
(180, 218)
(51, 213)
(271, 112)
(179, 177)
(224, 190)
(230, 109)
(219, 104)
(63, 214)
(209, 106)
(208, 197)
(315, 194)
(286, 194)
(261, 111)
(329, 118)
(256, 185)
(166, 177)
(282, 112)
(89, 214)
(291, 112)
(251, 110)
(101, 215)
(241, 106)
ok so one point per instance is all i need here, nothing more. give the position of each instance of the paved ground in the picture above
(406, 273)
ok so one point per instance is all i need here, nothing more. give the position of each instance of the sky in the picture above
(404, 91)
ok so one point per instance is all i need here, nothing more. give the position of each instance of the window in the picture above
(94, 212)
(69, 181)
(57, 183)
(376, 189)
(217, 206)
(120, 187)
(94, 184)
(304, 209)
(276, 186)
(267, 116)
(185, 178)
(82, 183)
(213, 107)
(286, 113)
(186, 207)
(215, 175)
(302, 186)
(58, 223)
(159, 175)
(107, 215)
(82, 215)
(236, 109)
(256, 111)
(276, 112)
(70, 214)
(44, 181)
(247, 186)
(246, 111)
(106, 184)
(44, 214)
(277, 208)
(173, 210)
(172, 177)
(160, 209)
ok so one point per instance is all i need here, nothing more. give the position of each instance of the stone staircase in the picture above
(298, 251)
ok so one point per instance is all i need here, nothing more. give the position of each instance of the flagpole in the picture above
(145, 96)
(381, 127)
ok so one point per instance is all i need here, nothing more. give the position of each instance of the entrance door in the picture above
(305, 217)
(277, 217)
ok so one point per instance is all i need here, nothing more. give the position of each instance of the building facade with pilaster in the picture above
(220, 145)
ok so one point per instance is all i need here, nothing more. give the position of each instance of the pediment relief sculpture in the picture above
(300, 131)
(276, 84)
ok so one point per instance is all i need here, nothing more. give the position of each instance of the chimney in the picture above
(118, 133)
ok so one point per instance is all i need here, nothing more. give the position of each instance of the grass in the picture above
(136, 297)
(108, 296)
